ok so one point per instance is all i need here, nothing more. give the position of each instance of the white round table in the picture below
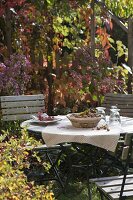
(62, 131)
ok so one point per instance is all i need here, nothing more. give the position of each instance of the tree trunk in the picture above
(50, 66)
(93, 31)
(50, 87)
(8, 29)
(130, 53)
(93, 46)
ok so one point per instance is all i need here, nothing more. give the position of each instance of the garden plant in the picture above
(74, 52)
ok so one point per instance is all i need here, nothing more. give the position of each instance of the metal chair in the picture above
(20, 108)
(117, 187)
(123, 101)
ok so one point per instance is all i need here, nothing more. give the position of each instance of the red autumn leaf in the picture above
(104, 41)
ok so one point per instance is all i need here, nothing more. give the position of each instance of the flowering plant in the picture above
(14, 75)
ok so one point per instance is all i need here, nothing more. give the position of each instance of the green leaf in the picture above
(67, 43)
(118, 42)
(59, 19)
(111, 40)
(94, 97)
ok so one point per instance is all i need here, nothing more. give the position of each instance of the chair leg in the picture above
(89, 191)
(101, 195)
(89, 186)
(55, 171)
(126, 168)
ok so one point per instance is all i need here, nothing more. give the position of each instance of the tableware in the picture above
(114, 118)
(34, 117)
(101, 112)
(45, 121)
(83, 122)
(114, 107)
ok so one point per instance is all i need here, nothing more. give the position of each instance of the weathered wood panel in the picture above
(112, 185)
(22, 97)
(22, 110)
(21, 104)
(122, 101)
(16, 117)
(21, 107)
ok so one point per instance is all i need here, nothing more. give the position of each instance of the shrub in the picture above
(84, 83)
(13, 181)
(14, 75)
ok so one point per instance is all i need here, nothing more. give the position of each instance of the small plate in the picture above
(46, 121)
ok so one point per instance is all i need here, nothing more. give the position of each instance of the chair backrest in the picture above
(123, 101)
(127, 148)
(20, 107)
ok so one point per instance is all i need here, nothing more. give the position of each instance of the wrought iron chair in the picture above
(117, 187)
(105, 185)
(20, 108)
(123, 101)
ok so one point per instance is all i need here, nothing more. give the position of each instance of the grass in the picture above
(77, 191)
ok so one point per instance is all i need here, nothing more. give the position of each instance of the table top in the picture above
(62, 131)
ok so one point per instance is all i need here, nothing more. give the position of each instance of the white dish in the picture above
(46, 121)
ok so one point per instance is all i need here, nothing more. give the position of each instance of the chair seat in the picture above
(111, 186)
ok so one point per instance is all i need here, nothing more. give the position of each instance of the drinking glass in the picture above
(114, 118)
(114, 107)
(101, 112)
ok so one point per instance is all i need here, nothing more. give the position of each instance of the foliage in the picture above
(85, 83)
(14, 75)
(122, 9)
(121, 69)
(49, 32)
(13, 181)
(9, 4)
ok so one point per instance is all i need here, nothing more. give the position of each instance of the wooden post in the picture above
(130, 53)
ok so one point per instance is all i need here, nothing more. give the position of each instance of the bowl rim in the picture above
(69, 116)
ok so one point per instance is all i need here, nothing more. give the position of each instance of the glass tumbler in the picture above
(101, 112)
(114, 118)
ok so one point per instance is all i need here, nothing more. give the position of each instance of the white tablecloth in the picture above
(63, 131)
